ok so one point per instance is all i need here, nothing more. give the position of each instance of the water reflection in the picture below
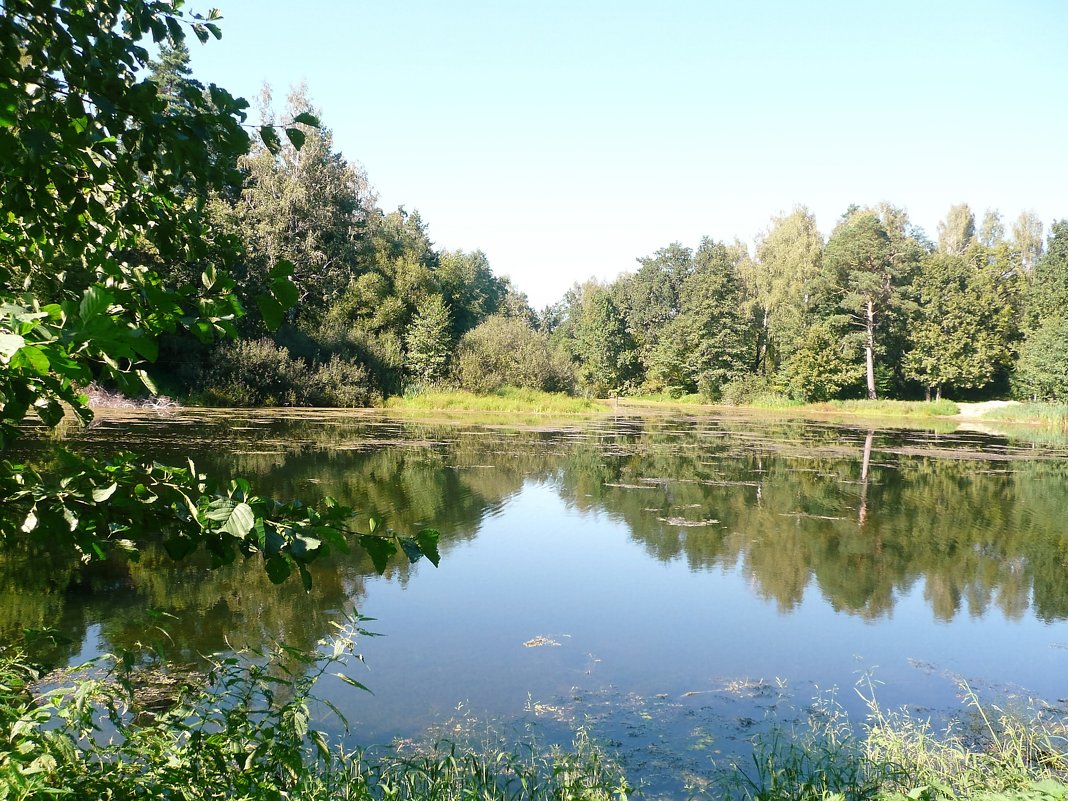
(863, 515)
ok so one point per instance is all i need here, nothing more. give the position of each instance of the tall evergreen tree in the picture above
(859, 249)
(429, 341)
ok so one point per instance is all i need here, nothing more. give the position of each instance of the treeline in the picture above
(375, 309)
(878, 310)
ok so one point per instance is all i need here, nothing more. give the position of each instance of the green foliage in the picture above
(304, 203)
(782, 284)
(892, 408)
(599, 341)
(1046, 414)
(244, 728)
(1046, 294)
(957, 232)
(749, 390)
(964, 324)
(428, 342)
(652, 297)
(104, 177)
(342, 383)
(1042, 368)
(503, 399)
(993, 755)
(859, 250)
(254, 373)
(506, 351)
(824, 364)
(469, 288)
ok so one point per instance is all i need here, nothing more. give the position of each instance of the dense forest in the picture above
(877, 310)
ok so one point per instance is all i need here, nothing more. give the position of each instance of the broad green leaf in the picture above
(8, 113)
(50, 411)
(30, 523)
(427, 540)
(379, 549)
(269, 137)
(307, 118)
(179, 547)
(101, 494)
(304, 544)
(285, 292)
(33, 357)
(271, 311)
(9, 346)
(283, 268)
(278, 569)
(146, 379)
(411, 549)
(96, 300)
(296, 136)
(305, 576)
(220, 509)
(241, 520)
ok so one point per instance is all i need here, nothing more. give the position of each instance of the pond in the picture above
(670, 581)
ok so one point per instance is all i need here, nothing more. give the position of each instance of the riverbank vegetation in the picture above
(244, 728)
(504, 399)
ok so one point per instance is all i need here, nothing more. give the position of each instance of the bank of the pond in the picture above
(508, 399)
(1046, 415)
(234, 737)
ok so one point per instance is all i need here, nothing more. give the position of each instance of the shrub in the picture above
(254, 373)
(342, 383)
(505, 351)
(745, 390)
(1042, 369)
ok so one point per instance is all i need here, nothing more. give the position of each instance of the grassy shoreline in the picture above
(510, 400)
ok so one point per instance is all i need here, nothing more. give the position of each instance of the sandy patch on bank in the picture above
(979, 409)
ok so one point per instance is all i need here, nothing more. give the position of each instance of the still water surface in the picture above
(686, 576)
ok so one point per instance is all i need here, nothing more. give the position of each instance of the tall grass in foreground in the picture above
(990, 754)
(492, 772)
(244, 730)
(1046, 414)
(506, 399)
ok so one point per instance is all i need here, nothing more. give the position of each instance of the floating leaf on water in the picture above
(681, 521)
(539, 641)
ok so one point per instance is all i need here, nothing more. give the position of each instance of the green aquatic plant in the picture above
(246, 727)
(990, 753)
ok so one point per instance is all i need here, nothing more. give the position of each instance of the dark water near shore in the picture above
(668, 580)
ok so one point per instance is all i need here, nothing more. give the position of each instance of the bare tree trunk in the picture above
(938, 392)
(869, 351)
(927, 393)
(762, 345)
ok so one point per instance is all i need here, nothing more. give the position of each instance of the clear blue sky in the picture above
(567, 138)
